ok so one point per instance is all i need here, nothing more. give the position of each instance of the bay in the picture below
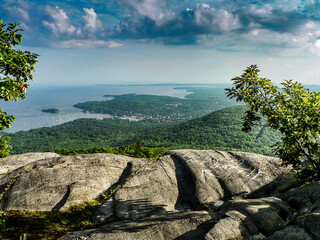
(28, 112)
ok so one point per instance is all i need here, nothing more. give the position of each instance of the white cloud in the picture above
(61, 23)
(219, 19)
(264, 11)
(310, 25)
(19, 12)
(306, 38)
(76, 43)
(274, 41)
(23, 13)
(86, 35)
(309, 35)
(154, 9)
(317, 44)
(91, 19)
(315, 47)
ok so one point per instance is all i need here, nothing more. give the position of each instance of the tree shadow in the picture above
(63, 201)
(122, 179)
(140, 224)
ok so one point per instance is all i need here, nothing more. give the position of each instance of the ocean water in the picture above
(28, 112)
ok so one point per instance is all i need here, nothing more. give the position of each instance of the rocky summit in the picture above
(186, 194)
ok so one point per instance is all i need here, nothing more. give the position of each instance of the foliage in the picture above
(2, 222)
(47, 224)
(5, 146)
(219, 130)
(135, 150)
(293, 110)
(16, 68)
(138, 153)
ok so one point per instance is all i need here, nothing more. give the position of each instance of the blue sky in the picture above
(168, 41)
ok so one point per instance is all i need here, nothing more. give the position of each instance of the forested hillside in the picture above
(220, 130)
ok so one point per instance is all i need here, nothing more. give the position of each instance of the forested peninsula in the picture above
(200, 102)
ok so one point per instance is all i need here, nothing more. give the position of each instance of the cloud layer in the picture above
(225, 24)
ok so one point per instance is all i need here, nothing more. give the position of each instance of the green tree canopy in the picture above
(16, 69)
(291, 109)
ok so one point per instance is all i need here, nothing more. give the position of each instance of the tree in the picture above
(292, 109)
(16, 69)
(137, 147)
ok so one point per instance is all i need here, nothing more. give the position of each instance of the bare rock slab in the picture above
(191, 180)
(13, 162)
(150, 192)
(224, 175)
(58, 183)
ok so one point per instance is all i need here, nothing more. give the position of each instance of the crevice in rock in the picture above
(242, 160)
(165, 171)
(187, 198)
(220, 153)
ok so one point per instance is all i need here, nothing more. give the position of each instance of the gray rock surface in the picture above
(237, 173)
(191, 179)
(13, 162)
(60, 182)
(150, 192)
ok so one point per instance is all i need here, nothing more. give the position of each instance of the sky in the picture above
(88, 42)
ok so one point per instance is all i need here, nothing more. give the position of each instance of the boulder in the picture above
(290, 233)
(13, 162)
(58, 183)
(244, 219)
(231, 227)
(311, 223)
(304, 198)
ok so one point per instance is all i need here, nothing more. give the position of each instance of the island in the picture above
(50, 110)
